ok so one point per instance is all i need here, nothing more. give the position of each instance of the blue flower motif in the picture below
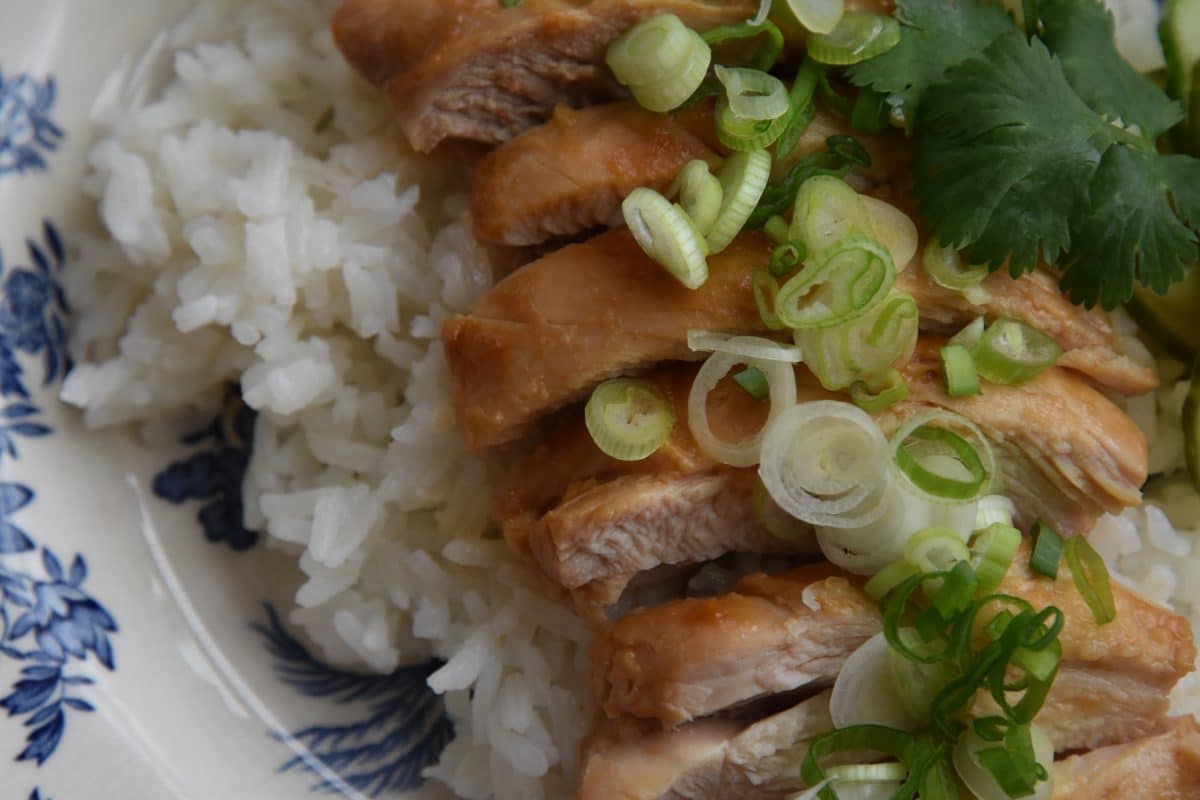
(27, 134)
(401, 726)
(215, 475)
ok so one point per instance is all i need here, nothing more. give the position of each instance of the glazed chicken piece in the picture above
(709, 758)
(1165, 766)
(719, 759)
(593, 523)
(570, 175)
(476, 70)
(546, 334)
(695, 657)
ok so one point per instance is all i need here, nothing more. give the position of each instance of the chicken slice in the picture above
(1165, 766)
(485, 71)
(693, 658)
(709, 758)
(550, 331)
(570, 175)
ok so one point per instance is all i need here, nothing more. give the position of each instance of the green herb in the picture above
(1041, 148)
(1047, 550)
(753, 382)
(1011, 163)
(937, 35)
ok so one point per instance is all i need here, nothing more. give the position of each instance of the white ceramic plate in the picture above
(140, 655)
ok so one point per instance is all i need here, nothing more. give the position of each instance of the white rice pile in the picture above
(268, 228)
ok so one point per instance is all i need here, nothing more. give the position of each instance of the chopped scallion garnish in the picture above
(743, 178)
(753, 95)
(859, 35)
(945, 266)
(802, 108)
(628, 419)
(958, 370)
(661, 60)
(873, 396)
(665, 232)
(786, 257)
(754, 382)
(700, 194)
(1047, 550)
(992, 554)
(941, 463)
(847, 281)
(1012, 352)
(1091, 578)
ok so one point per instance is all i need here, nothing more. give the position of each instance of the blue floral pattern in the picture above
(215, 474)
(48, 621)
(402, 727)
(27, 134)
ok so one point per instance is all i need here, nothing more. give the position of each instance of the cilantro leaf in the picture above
(936, 35)
(1013, 165)
(1080, 33)
(1004, 148)
(1127, 231)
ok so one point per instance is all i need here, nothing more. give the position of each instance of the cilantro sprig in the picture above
(1042, 148)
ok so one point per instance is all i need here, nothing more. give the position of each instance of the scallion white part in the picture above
(817, 16)
(666, 234)
(661, 60)
(781, 379)
(753, 94)
(894, 229)
(743, 177)
(864, 693)
(628, 419)
(825, 462)
(993, 509)
(699, 194)
(744, 346)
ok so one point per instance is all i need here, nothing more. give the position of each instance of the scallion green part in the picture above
(802, 109)
(777, 229)
(754, 382)
(878, 394)
(992, 553)
(1013, 764)
(859, 35)
(1091, 579)
(841, 154)
(768, 52)
(941, 463)
(1011, 352)
(958, 371)
(700, 194)
(743, 178)
(846, 281)
(786, 257)
(744, 134)
(870, 112)
(945, 266)
(1047, 550)
(883, 582)
(667, 234)
(766, 288)
(628, 419)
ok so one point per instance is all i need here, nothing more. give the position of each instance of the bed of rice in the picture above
(267, 228)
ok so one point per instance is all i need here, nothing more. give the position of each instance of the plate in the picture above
(143, 653)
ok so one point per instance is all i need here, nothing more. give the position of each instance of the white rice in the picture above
(267, 228)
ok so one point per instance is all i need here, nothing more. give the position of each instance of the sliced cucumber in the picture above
(1171, 319)
(1191, 427)
(1179, 32)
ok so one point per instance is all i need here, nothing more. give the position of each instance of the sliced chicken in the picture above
(570, 175)
(1165, 766)
(550, 331)
(693, 658)
(478, 70)
(710, 758)
(545, 335)
(1067, 453)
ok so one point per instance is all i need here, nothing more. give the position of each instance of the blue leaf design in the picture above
(104, 651)
(38, 673)
(51, 646)
(14, 497)
(19, 411)
(42, 716)
(31, 429)
(38, 257)
(49, 232)
(43, 741)
(78, 705)
(78, 572)
(27, 695)
(402, 727)
(13, 539)
(50, 562)
(22, 626)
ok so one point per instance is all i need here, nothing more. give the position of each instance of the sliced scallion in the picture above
(754, 347)
(661, 60)
(743, 177)
(940, 463)
(875, 395)
(766, 289)
(958, 371)
(1091, 579)
(753, 95)
(992, 553)
(858, 35)
(868, 773)
(841, 154)
(628, 419)
(817, 16)
(753, 382)
(699, 194)
(993, 509)
(1011, 352)
(970, 334)
(935, 549)
(845, 282)
(827, 212)
(665, 233)
(883, 582)
(786, 257)
(768, 52)
(1047, 550)
(945, 266)
(738, 133)
(865, 350)
(776, 229)
(802, 109)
